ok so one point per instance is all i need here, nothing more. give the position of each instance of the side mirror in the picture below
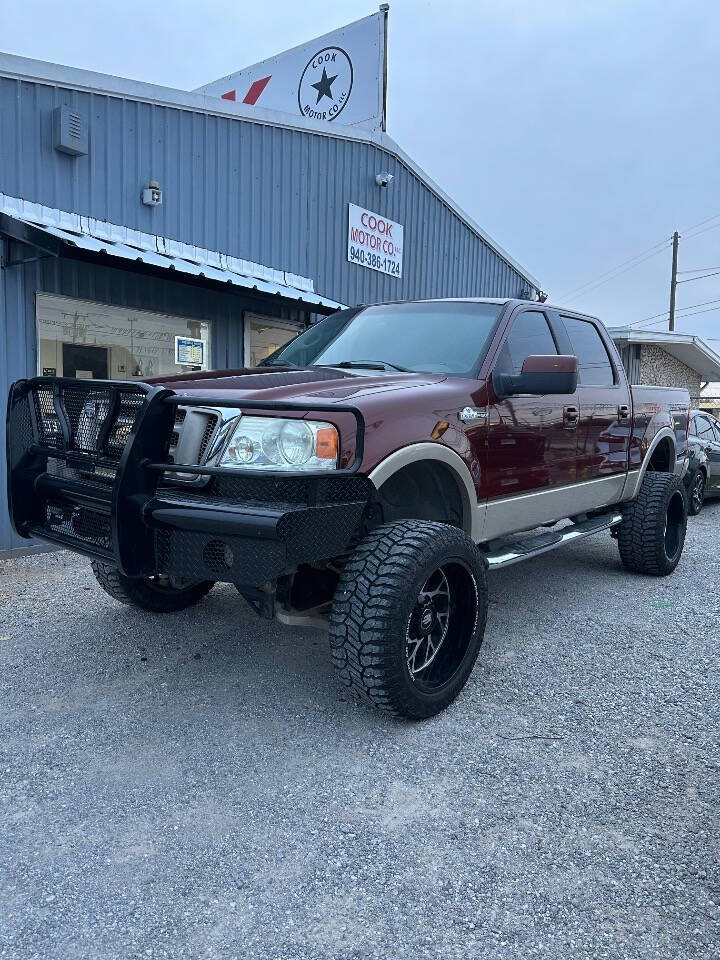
(540, 375)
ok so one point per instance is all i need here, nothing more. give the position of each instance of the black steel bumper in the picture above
(88, 469)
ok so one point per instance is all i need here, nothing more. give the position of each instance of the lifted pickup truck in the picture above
(366, 477)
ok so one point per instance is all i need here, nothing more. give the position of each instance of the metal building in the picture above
(137, 221)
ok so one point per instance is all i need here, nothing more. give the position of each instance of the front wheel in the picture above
(408, 617)
(155, 594)
(696, 492)
(652, 533)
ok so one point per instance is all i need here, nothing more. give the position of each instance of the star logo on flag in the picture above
(324, 86)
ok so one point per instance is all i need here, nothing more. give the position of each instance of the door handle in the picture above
(571, 417)
(623, 411)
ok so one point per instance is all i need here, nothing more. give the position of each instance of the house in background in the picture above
(671, 359)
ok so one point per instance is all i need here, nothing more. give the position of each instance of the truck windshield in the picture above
(428, 337)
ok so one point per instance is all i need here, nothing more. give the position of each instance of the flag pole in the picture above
(384, 9)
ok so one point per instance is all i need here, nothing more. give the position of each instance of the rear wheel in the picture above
(155, 594)
(652, 534)
(408, 617)
(696, 492)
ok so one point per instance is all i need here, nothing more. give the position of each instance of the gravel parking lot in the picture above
(197, 785)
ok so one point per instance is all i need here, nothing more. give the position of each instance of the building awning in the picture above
(32, 222)
(693, 351)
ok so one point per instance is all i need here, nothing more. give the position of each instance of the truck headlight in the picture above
(274, 443)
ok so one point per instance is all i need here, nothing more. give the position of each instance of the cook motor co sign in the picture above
(374, 241)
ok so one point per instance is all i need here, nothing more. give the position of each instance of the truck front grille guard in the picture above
(86, 458)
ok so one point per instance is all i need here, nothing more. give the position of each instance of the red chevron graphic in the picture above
(255, 90)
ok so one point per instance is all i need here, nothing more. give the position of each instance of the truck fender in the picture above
(635, 477)
(472, 512)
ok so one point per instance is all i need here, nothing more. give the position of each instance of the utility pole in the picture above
(673, 279)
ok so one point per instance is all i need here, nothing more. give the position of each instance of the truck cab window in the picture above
(530, 335)
(594, 366)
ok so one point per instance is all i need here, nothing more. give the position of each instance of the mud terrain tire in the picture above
(652, 533)
(410, 588)
(148, 594)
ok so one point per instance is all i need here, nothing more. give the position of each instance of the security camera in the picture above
(384, 179)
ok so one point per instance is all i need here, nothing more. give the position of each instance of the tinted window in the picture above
(529, 336)
(693, 427)
(594, 367)
(431, 336)
(704, 429)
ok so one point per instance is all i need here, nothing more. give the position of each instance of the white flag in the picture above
(340, 76)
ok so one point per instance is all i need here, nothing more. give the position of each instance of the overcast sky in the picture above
(578, 134)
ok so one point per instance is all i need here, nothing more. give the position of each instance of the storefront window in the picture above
(263, 335)
(79, 338)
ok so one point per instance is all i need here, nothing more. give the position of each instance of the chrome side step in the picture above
(513, 551)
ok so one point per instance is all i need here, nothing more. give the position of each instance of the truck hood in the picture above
(305, 385)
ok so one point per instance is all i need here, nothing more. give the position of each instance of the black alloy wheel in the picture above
(697, 493)
(675, 525)
(440, 626)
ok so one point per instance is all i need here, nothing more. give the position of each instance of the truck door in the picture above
(531, 444)
(603, 434)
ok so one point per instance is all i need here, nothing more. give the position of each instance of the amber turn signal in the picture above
(326, 443)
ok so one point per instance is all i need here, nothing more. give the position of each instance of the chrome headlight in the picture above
(274, 443)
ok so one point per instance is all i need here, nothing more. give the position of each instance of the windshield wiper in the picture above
(277, 363)
(366, 365)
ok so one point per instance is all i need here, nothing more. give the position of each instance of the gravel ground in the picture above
(197, 785)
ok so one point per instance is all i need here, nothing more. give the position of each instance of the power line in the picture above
(698, 270)
(702, 277)
(632, 262)
(698, 233)
(664, 315)
(640, 323)
(600, 277)
(702, 222)
(696, 312)
(579, 294)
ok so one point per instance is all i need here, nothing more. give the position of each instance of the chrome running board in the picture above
(513, 551)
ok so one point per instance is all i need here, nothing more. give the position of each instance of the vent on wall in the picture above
(70, 132)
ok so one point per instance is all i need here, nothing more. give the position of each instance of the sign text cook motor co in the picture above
(374, 241)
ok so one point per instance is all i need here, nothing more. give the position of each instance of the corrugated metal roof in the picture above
(98, 236)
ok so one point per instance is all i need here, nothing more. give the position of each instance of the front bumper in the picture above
(100, 487)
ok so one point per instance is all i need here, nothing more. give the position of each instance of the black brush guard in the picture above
(88, 469)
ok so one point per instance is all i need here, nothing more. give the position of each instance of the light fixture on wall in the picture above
(152, 194)
(384, 179)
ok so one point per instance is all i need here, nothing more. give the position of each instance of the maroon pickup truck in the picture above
(364, 478)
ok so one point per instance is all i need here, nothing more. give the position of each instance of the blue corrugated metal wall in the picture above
(273, 195)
